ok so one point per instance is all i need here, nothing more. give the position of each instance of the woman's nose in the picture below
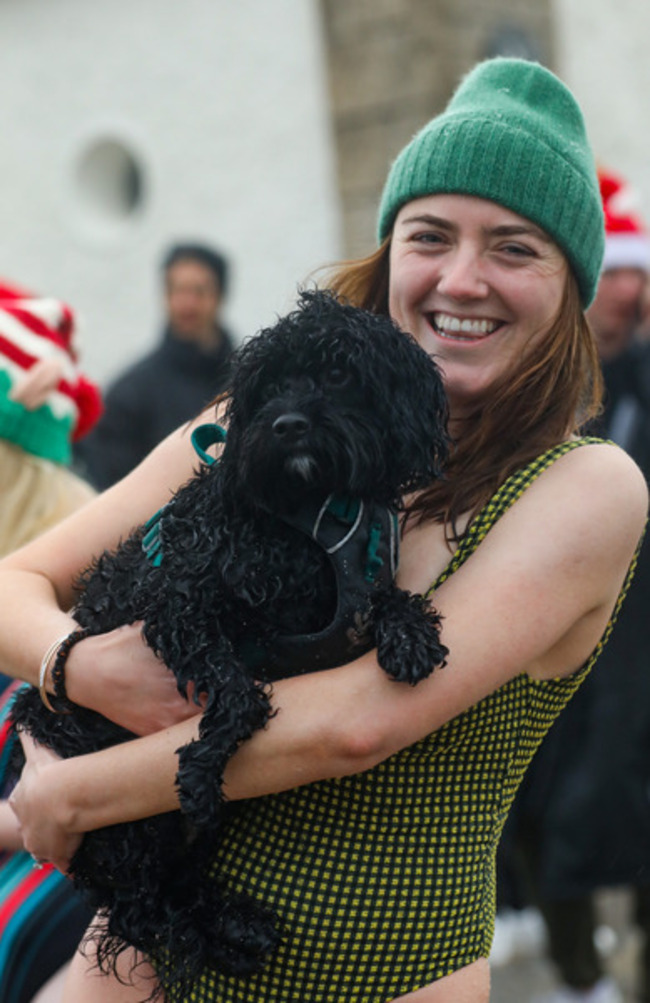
(462, 275)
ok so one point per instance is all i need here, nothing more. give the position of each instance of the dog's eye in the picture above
(269, 391)
(337, 376)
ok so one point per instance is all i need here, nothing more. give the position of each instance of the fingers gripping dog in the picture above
(275, 560)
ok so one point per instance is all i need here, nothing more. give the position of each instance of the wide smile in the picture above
(469, 329)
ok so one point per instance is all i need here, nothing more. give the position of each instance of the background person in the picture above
(379, 852)
(45, 403)
(586, 809)
(171, 384)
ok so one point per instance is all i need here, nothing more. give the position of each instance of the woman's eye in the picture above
(518, 250)
(429, 237)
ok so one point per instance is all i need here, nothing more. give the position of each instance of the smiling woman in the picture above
(476, 285)
(510, 335)
(367, 813)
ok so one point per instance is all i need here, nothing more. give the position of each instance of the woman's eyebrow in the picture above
(519, 230)
(502, 230)
(430, 220)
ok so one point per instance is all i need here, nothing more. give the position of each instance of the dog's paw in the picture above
(231, 933)
(199, 782)
(407, 636)
(240, 708)
(247, 934)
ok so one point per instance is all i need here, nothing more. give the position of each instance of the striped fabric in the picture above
(41, 917)
(34, 330)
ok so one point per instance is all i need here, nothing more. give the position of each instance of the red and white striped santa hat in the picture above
(627, 244)
(34, 328)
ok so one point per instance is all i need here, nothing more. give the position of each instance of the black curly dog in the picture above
(275, 560)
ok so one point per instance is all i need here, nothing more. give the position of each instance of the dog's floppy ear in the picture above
(255, 364)
(410, 381)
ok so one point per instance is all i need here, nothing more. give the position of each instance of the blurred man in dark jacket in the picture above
(172, 383)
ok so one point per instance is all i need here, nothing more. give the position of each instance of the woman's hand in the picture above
(39, 803)
(119, 676)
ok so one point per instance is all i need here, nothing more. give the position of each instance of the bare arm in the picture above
(535, 597)
(37, 591)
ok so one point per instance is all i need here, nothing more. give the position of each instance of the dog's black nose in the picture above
(291, 427)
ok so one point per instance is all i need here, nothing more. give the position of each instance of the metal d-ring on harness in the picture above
(332, 505)
(319, 518)
(361, 541)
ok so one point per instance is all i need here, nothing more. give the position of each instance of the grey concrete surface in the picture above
(520, 980)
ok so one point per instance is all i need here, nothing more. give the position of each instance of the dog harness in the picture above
(385, 881)
(361, 541)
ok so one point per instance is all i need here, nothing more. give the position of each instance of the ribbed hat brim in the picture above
(492, 160)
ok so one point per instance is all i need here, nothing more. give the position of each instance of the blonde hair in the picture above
(35, 494)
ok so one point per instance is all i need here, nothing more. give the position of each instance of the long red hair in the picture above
(546, 396)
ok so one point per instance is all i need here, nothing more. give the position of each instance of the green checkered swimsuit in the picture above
(385, 881)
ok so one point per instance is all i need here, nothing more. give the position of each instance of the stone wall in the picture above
(392, 66)
(602, 54)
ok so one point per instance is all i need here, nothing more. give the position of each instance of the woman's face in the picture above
(475, 284)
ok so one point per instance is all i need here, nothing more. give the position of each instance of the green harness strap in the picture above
(382, 539)
(203, 437)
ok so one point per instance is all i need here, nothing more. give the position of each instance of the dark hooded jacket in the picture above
(161, 391)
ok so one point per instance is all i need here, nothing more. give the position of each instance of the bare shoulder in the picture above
(592, 501)
(577, 525)
(601, 460)
(587, 509)
(594, 495)
(599, 482)
(551, 568)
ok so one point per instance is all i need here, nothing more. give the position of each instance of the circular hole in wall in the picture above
(110, 180)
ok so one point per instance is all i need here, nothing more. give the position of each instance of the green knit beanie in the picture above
(514, 134)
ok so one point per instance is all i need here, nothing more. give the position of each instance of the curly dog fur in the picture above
(235, 590)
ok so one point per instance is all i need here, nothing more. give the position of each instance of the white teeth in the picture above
(446, 323)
